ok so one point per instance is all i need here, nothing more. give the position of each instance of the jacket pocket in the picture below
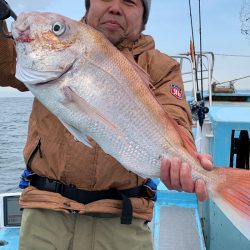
(36, 150)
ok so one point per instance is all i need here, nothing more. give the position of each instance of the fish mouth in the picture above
(31, 77)
(24, 39)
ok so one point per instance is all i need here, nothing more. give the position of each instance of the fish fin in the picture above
(91, 111)
(77, 134)
(233, 197)
(187, 143)
(142, 73)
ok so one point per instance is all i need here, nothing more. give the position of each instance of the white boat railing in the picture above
(191, 75)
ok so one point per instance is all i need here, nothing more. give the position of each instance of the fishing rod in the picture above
(5, 13)
(203, 110)
(198, 108)
(201, 67)
(193, 57)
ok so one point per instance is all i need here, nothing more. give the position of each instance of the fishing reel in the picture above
(199, 111)
(5, 12)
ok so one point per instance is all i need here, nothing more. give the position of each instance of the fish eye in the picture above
(58, 28)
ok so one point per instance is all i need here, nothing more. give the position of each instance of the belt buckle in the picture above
(54, 186)
(59, 187)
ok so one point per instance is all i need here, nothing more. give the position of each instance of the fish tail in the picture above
(232, 196)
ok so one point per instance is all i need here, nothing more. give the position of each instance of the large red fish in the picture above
(96, 92)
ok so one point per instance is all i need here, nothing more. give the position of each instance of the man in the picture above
(78, 194)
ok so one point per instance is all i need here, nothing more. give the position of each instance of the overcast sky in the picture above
(169, 24)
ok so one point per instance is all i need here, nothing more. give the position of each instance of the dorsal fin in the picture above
(141, 72)
(188, 145)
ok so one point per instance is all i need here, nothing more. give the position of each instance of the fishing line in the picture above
(233, 80)
(231, 55)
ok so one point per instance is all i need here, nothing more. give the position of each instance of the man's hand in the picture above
(177, 175)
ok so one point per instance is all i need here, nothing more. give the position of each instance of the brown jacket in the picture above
(51, 150)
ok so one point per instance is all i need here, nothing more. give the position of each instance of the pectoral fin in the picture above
(77, 134)
(91, 111)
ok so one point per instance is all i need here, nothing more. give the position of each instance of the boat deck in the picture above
(9, 238)
(176, 223)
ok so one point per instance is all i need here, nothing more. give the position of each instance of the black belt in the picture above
(85, 197)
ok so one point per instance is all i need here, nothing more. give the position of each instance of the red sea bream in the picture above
(97, 93)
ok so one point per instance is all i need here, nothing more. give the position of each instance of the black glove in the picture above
(5, 12)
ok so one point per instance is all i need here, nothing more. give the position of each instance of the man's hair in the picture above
(146, 5)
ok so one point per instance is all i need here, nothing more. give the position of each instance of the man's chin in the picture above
(113, 38)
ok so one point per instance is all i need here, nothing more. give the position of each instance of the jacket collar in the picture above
(144, 43)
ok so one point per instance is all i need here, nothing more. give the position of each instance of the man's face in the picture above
(116, 19)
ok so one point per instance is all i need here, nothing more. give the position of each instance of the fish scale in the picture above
(124, 112)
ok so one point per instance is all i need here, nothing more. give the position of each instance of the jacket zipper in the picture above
(37, 149)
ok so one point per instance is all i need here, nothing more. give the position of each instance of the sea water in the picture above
(14, 116)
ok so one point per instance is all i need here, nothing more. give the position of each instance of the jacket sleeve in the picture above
(168, 88)
(8, 63)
